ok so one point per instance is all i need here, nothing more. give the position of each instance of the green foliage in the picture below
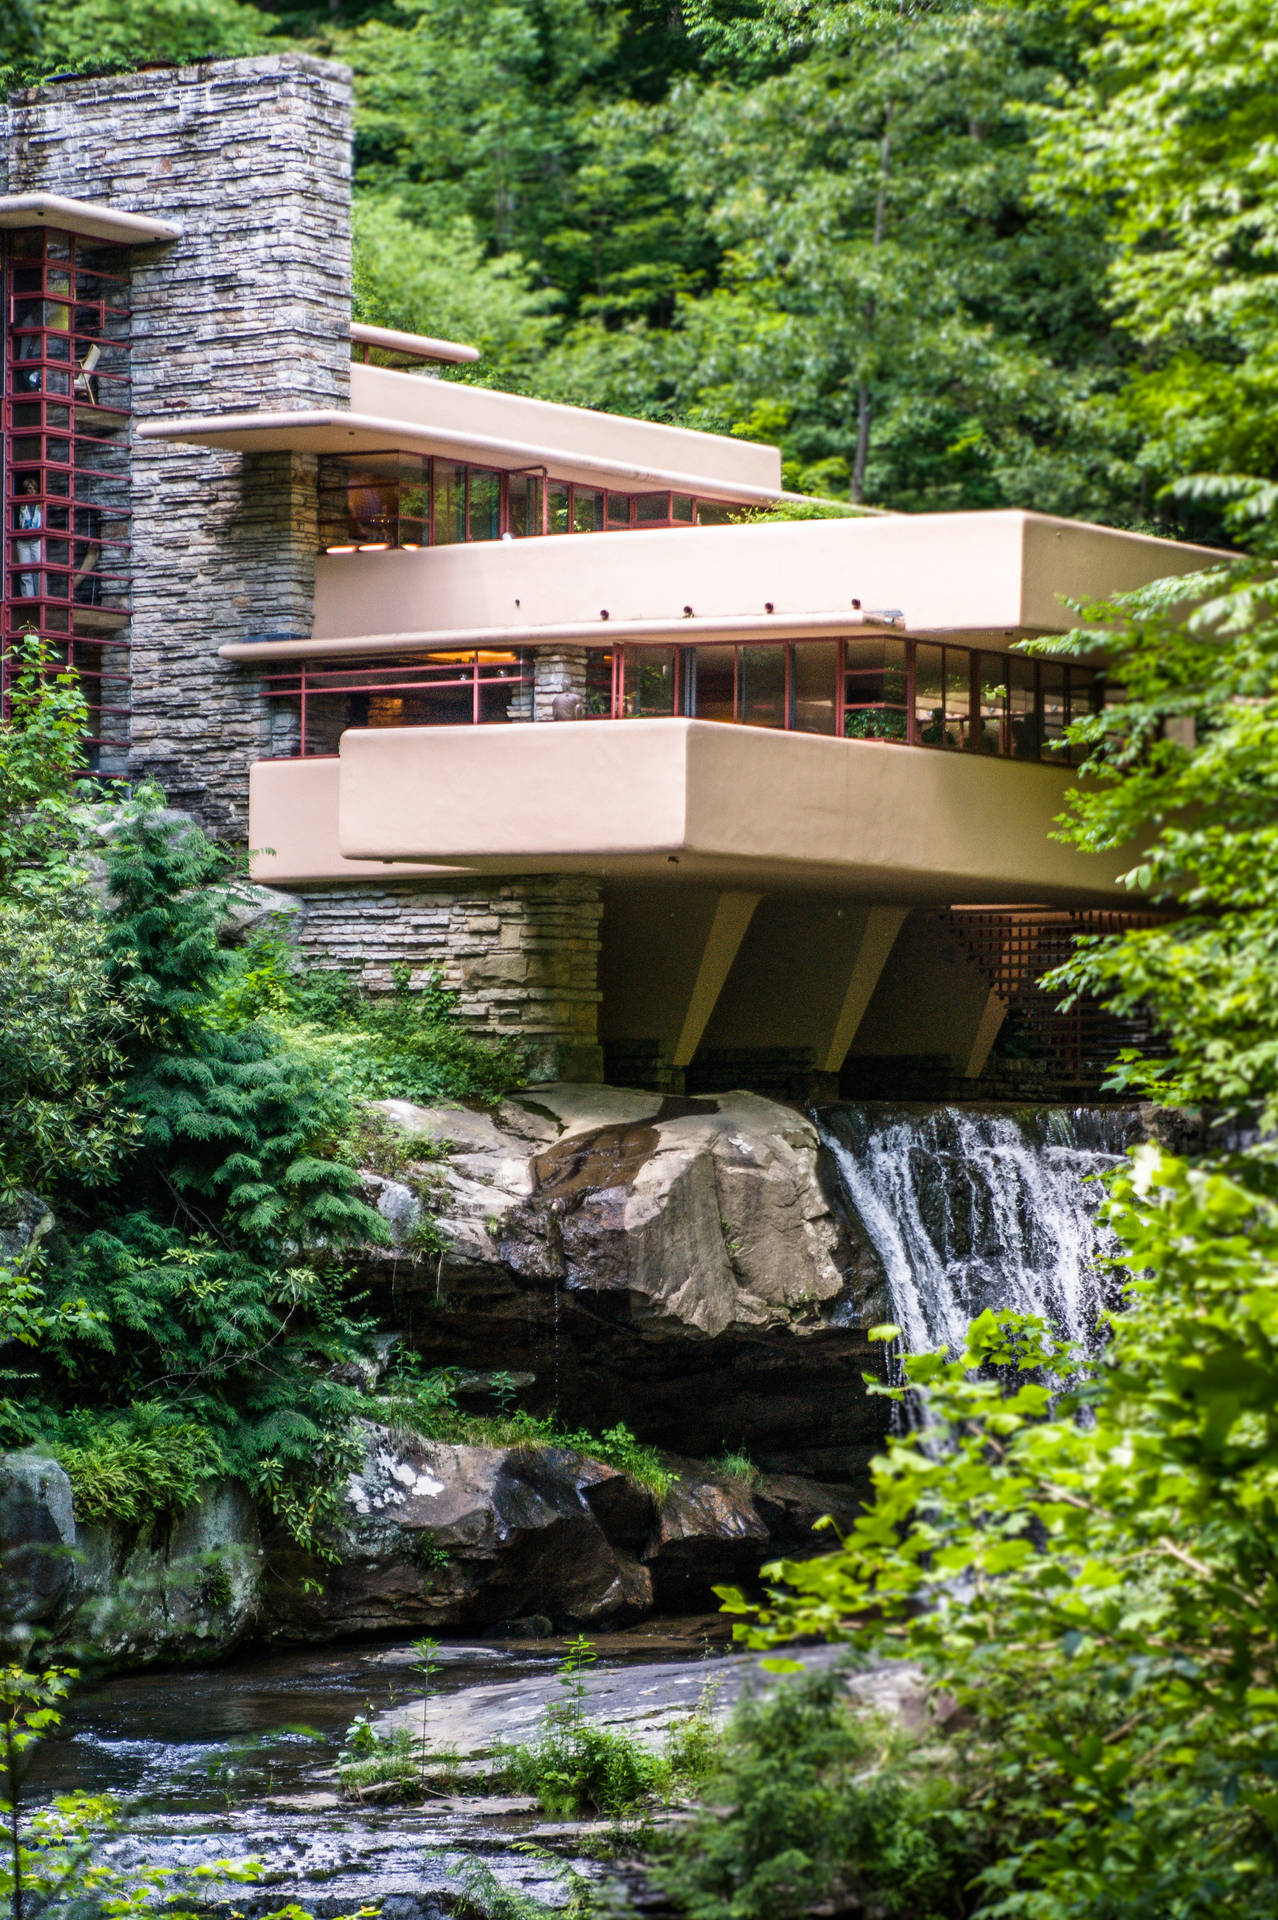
(230, 1121)
(483, 1897)
(815, 1803)
(1182, 766)
(393, 1766)
(1162, 135)
(734, 1463)
(130, 1467)
(108, 36)
(579, 1766)
(405, 1045)
(440, 281)
(422, 1400)
(40, 756)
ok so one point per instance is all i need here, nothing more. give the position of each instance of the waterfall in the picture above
(968, 1209)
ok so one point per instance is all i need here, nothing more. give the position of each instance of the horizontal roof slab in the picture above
(416, 413)
(690, 800)
(990, 575)
(87, 217)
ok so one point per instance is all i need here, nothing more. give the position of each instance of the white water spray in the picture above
(969, 1210)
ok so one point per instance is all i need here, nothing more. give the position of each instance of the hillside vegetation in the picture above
(951, 253)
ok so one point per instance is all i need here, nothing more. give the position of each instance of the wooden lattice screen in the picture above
(1014, 947)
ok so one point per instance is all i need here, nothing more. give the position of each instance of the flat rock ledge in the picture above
(643, 1701)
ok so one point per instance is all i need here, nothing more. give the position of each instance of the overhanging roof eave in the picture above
(87, 217)
(578, 633)
(333, 430)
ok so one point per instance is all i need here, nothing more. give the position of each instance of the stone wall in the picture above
(249, 309)
(522, 955)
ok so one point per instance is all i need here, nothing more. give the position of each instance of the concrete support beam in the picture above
(882, 924)
(987, 1032)
(732, 915)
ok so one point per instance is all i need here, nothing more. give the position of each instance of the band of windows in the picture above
(894, 690)
(378, 501)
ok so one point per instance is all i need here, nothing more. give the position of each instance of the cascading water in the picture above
(969, 1209)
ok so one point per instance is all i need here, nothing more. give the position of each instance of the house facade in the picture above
(514, 692)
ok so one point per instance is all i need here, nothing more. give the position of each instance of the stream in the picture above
(964, 1209)
(237, 1762)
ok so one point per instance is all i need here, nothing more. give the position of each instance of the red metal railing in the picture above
(66, 551)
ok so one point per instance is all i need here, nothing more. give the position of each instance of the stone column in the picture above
(557, 670)
(250, 308)
(522, 956)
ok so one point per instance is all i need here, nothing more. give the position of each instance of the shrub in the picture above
(126, 1467)
(814, 1803)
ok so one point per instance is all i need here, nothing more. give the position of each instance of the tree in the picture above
(1094, 1576)
(1165, 135)
(439, 281)
(63, 1013)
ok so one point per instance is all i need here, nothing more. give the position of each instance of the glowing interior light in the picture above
(375, 546)
(339, 549)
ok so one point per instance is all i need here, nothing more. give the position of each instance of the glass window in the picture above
(681, 507)
(524, 496)
(1022, 707)
(763, 686)
(713, 694)
(652, 509)
(556, 507)
(449, 503)
(371, 506)
(992, 689)
(815, 673)
(874, 703)
(484, 509)
(958, 696)
(929, 695)
(587, 510)
(714, 513)
(618, 509)
(651, 681)
(414, 502)
(1055, 711)
(599, 671)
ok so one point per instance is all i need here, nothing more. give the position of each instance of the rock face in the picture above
(431, 1536)
(37, 1539)
(676, 1264)
(170, 1590)
(474, 1537)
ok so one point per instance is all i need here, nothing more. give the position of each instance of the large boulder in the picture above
(37, 1540)
(468, 1536)
(698, 1215)
(679, 1265)
(178, 1587)
(436, 1535)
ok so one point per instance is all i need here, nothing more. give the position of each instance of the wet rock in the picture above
(37, 1538)
(715, 1528)
(174, 1589)
(399, 1207)
(646, 1701)
(442, 1535)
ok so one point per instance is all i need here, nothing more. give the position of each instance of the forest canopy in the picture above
(950, 253)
